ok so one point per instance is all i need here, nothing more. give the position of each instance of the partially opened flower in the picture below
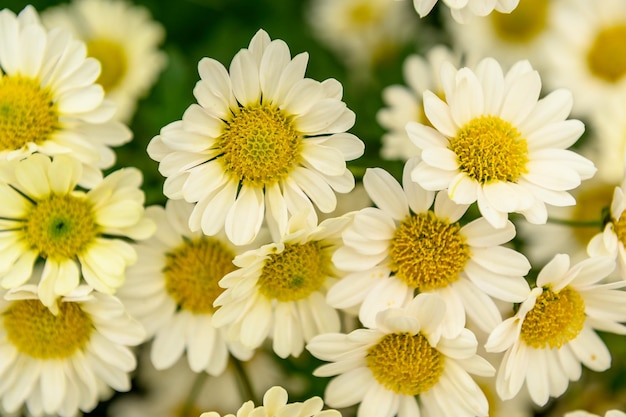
(262, 142)
(79, 234)
(463, 10)
(50, 100)
(553, 332)
(496, 143)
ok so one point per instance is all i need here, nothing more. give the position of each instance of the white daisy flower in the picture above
(77, 233)
(582, 413)
(275, 405)
(404, 366)
(124, 38)
(279, 289)
(463, 10)
(404, 103)
(553, 331)
(404, 246)
(178, 271)
(495, 143)
(263, 142)
(65, 362)
(53, 106)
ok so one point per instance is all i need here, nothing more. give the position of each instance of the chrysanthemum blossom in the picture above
(63, 363)
(275, 405)
(496, 143)
(124, 38)
(262, 142)
(463, 10)
(52, 104)
(79, 234)
(553, 331)
(280, 289)
(404, 246)
(404, 366)
(178, 271)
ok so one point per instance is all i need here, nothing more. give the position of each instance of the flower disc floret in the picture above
(524, 23)
(113, 59)
(606, 57)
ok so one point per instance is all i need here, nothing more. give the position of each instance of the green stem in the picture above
(245, 386)
(189, 404)
(577, 223)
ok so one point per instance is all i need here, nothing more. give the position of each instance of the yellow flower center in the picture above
(405, 364)
(36, 332)
(619, 226)
(27, 112)
(260, 145)
(524, 23)
(61, 226)
(363, 14)
(490, 149)
(296, 272)
(112, 59)
(556, 318)
(589, 205)
(427, 252)
(193, 270)
(607, 56)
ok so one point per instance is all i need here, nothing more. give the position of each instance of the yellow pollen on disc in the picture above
(296, 272)
(28, 113)
(619, 226)
(61, 226)
(556, 319)
(405, 364)
(524, 23)
(36, 332)
(428, 253)
(606, 57)
(490, 149)
(192, 272)
(113, 61)
(260, 145)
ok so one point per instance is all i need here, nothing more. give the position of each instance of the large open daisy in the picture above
(404, 365)
(403, 247)
(79, 234)
(553, 331)
(49, 98)
(262, 142)
(496, 143)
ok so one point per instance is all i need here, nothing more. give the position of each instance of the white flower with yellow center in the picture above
(179, 270)
(76, 233)
(275, 405)
(404, 103)
(280, 289)
(494, 142)
(123, 37)
(553, 331)
(58, 364)
(404, 366)
(48, 100)
(404, 246)
(262, 142)
(463, 10)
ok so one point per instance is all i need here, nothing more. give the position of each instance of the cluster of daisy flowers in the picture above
(415, 294)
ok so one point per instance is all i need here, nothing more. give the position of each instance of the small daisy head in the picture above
(49, 102)
(70, 356)
(262, 142)
(282, 286)
(76, 233)
(403, 365)
(463, 11)
(496, 143)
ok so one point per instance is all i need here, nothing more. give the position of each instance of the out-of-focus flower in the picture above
(463, 10)
(581, 413)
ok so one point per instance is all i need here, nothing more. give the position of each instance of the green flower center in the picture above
(427, 252)
(296, 272)
(61, 226)
(27, 112)
(556, 318)
(607, 56)
(192, 272)
(490, 149)
(260, 145)
(405, 364)
(112, 59)
(524, 23)
(36, 332)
